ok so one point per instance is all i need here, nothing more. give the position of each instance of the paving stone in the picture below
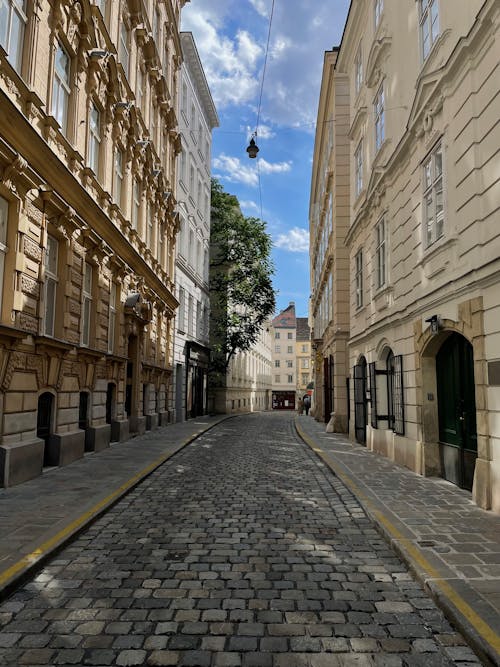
(130, 658)
(163, 659)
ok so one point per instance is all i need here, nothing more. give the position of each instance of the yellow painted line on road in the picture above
(479, 624)
(72, 527)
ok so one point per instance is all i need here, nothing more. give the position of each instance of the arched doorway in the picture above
(44, 422)
(360, 403)
(457, 410)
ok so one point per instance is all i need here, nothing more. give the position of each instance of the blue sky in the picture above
(231, 37)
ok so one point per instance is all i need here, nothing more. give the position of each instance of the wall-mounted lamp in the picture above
(434, 324)
(252, 148)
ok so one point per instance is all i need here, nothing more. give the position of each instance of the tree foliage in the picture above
(241, 289)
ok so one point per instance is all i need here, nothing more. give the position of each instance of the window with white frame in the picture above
(136, 205)
(13, 21)
(86, 303)
(289, 349)
(157, 26)
(190, 315)
(277, 349)
(4, 223)
(124, 53)
(182, 170)
(379, 8)
(359, 278)
(118, 176)
(160, 245)
(378, 106)
(181, 313)
(358, 168)
(61, 88)
(277, 334)
(50, 285)
(140, 88)
(290, 335)
(289, 363)
(304, 363)
(358, 70)
(380, 252)
(94, 138)
(112, 317)
(429, 24)
(193, 118)
(433, 207)
(304, 347)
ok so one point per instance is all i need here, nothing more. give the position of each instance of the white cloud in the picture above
(295, 240)
(261, 7)
(265, 132)
(233, 170)
(248, 205)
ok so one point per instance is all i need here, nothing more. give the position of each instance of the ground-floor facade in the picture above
(425, 393)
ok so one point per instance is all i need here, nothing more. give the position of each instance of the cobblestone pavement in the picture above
(245, 550)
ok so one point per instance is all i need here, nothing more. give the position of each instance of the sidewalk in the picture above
(40, 515)
(452, 546)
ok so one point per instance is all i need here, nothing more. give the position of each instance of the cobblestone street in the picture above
(243, 549)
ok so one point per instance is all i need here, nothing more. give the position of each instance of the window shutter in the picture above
(373, 394)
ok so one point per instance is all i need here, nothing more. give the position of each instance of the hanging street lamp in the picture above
(252, 148)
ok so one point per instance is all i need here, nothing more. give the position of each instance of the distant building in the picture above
(89, 135)
(197, 118)
(283, 335)
(303, 357)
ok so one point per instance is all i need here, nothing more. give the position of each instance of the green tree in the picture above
(241, 290)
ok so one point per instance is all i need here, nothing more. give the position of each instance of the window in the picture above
(124, 47)
(94, 138)
(358, 69)
(277, 349)
(289, 349)
(190, 314)
(12, 25)
(181, 312)
(379, 8)
(359, 279)
(4, 220)
(136, 204)
(429, 24)
(290, 379)
(289, 363)
(184, 98)
(277, 363)
(433, 209)
(118, 176)
(277, 379)
(193, 117)
(86, 303)
(140, 91)
(358, 168)
(61, 89)
(102, 6)
(290, 335)
(149, 227)
(50, 286)
(304, 347)
(156, 26)
(277, 335)
(160, 245)
(379, 118)
(112, 318)
(304, 363)
(381, 253)
(305, 378)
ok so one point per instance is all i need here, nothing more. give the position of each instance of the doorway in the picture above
(360, 402)
(44, 422)
(457, 410)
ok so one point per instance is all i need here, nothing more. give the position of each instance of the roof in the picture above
(303, 330)
(286, 319)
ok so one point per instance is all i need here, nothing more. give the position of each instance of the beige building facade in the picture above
(329, 215)
(284, 363)
(423, 238)
(88, 143)
(303, 361)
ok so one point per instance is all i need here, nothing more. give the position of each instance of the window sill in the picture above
(437, 256)
(383, 297)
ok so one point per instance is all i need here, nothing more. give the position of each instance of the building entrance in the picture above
(44, 423)
(457, 410)
(360, 404)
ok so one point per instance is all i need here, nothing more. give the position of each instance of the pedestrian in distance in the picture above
(307, 403)
(300, 406)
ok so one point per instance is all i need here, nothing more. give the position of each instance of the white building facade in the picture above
(197, 118)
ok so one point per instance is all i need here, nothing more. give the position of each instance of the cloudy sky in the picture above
(231, 36)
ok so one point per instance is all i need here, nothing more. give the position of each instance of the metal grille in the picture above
(373, 394)
(360, 402)
(398, 396)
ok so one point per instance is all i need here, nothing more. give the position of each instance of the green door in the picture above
(457, 410)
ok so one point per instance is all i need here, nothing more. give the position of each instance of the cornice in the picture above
(359, 119)
(377, 53)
